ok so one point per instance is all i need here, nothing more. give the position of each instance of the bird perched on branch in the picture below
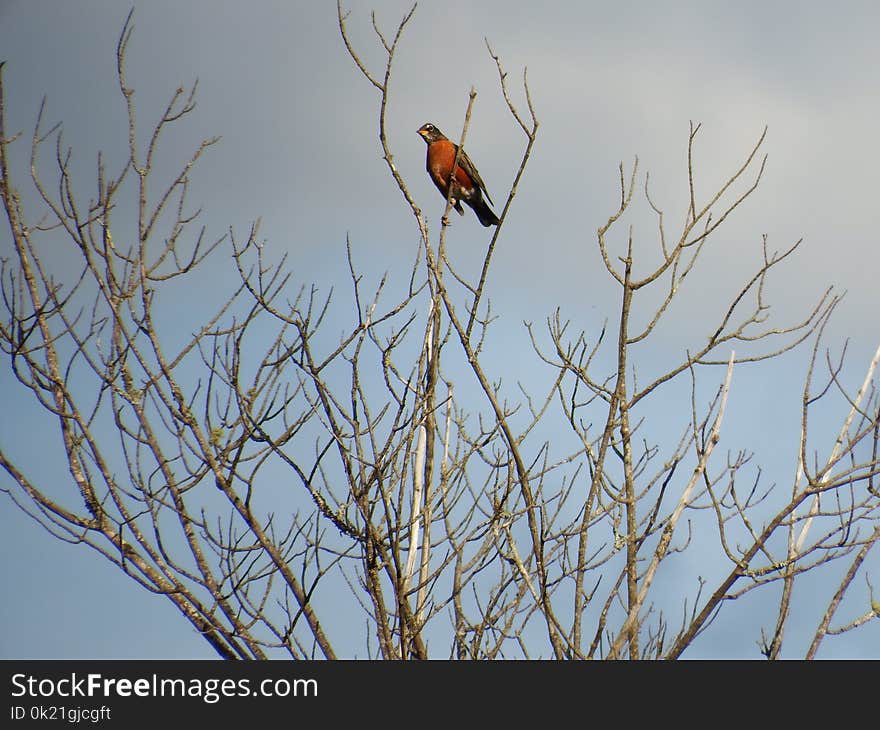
(467, 185)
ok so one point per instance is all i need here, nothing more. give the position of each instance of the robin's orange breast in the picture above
(441, 155)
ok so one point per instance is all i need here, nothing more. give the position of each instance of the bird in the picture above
(468, 186)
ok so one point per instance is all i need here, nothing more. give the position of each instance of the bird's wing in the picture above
(464, 162)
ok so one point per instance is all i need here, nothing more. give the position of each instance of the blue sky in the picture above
(299, 149)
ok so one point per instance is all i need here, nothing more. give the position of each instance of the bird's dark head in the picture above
(430, 133)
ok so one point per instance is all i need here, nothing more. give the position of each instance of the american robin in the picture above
(467, 186)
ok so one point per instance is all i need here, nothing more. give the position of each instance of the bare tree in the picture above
(280, 484)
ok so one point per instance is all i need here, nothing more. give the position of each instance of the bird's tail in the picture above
(485, 214)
